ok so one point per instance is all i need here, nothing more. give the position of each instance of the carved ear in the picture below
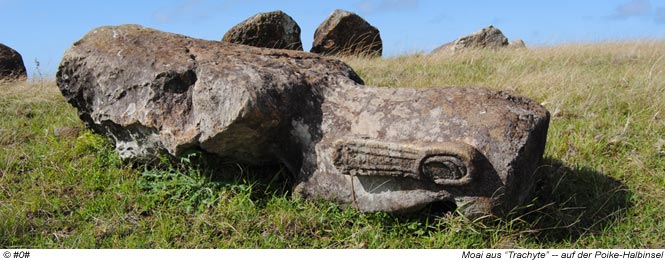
(445, 163)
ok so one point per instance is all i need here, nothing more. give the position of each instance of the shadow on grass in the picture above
(271, 179)
(198, 181)
(568, 203)
(572, 202)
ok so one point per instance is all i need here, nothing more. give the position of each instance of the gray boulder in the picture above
(346, 33)
(486, 38)
(11, 65)
(275, 30)
(517, 44)
(372, 148)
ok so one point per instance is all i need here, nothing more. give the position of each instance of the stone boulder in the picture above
(486, 38)
(11, 65)
(275, 30)
(372, 148)
(346, 33)
(517, 44)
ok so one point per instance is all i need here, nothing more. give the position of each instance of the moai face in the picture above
(399, 150)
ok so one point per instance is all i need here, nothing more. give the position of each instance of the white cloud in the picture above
(639, 8)
(633, 8)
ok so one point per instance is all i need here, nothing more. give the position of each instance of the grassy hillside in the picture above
(603, 185)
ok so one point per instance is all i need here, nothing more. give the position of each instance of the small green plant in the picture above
(182, 183)
(89, 143)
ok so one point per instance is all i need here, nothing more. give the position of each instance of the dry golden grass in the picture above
(30, 91)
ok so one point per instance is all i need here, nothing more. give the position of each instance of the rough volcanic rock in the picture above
(372, 148)
(517, 44)
(157, 92)
(11, 64)
(275, 30)
(346, 33)
(487, 38)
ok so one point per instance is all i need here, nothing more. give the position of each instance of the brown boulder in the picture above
(346, 33)
(517, 44)
(11, 64)
(487, 38)
(275, 30)
(371, 148)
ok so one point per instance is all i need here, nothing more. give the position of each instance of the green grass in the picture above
(604, 168)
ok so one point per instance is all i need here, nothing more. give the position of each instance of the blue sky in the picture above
(43, 29)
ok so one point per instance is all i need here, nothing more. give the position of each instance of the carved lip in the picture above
(447, 163)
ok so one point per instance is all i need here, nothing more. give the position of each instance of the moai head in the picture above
(372, 148)
(399, 150)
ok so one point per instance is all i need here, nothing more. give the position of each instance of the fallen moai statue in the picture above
(373, 148)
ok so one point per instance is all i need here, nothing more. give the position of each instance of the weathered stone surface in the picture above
(486, 38)
(11, 64)
(401, 149)
(346, 33)
(517, 44)
(372, 148)
(275, 30)
(152, 91)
